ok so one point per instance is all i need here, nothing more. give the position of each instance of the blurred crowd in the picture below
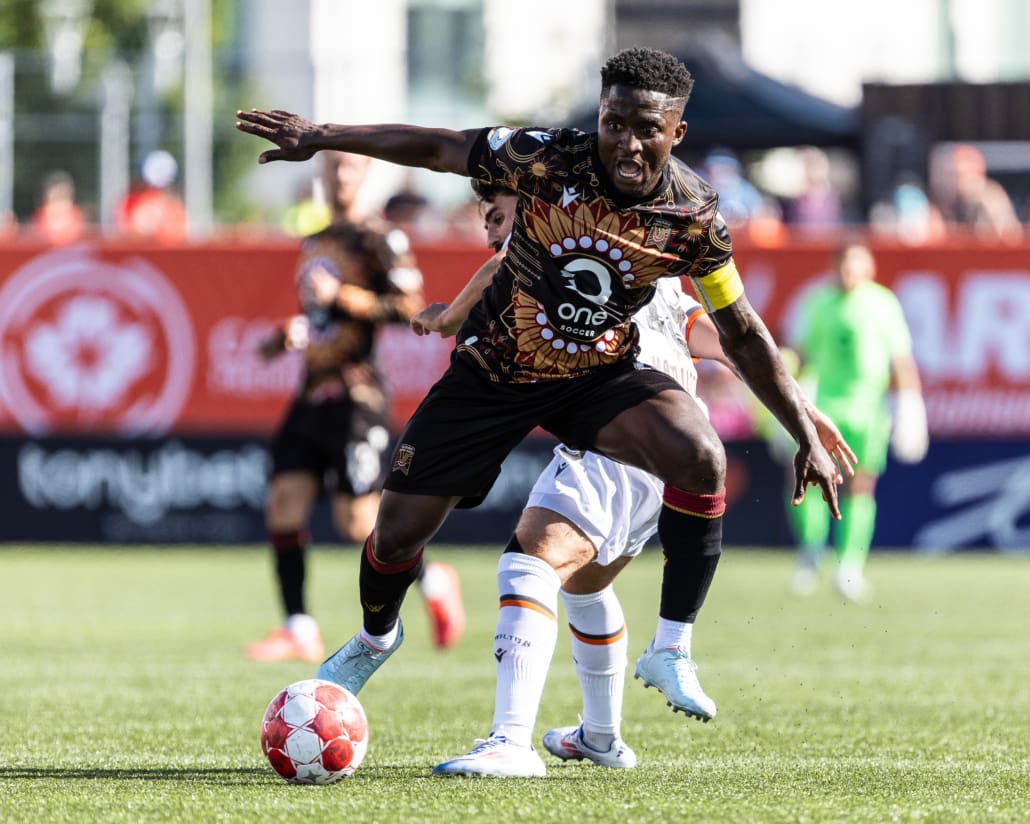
(782, 194)
(152, 209)
(807, 191)
(798, 192)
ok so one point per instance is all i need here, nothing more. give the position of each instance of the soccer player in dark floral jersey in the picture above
(601, 217)
(586, 517)
(353, 276)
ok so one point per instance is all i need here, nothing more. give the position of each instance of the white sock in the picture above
(527, 630)
(379, 642)
(433, 582)
(673, 635)
(599, 647)
(301, 625)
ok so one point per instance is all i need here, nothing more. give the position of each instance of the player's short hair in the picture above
(649, 69)
(487, 192)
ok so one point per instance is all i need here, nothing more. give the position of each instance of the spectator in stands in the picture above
(907, 214)
(818, 206)
(739, 200)
(968, 198)
(307, 214)
(152, 209)
(765, 228)
(465, 222)
(8, 225)
(57, 220)
(409, 211)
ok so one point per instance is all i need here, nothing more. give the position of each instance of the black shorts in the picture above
(338, 441)
(462, 431)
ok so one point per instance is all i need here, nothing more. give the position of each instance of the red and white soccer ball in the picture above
(314, 732)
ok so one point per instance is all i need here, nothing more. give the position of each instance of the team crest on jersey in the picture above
(658, 235)
(402, 458)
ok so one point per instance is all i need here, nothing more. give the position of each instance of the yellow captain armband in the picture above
(720, 288)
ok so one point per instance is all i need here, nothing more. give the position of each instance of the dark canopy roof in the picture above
(733, 105)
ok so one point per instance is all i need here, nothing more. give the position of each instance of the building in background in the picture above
(165, 73)
(453, 64)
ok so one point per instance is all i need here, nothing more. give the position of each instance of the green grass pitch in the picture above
(126, 697)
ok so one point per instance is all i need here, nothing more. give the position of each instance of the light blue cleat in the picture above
(355, 662)
(674, 674)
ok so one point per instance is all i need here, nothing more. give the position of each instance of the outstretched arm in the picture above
(297, 138)
(750, 347)
(447, 318)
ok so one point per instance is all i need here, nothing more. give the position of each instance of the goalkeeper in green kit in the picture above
(856, 352)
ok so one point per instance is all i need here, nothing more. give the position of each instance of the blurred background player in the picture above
(587, 517)
(353, 276)
(855, 346)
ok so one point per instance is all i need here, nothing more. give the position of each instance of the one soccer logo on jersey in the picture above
(589, 279)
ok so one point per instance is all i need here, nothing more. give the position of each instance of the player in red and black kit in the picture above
(353, 276)
(601, 216)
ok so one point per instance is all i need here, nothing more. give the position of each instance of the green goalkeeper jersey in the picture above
(848, 340)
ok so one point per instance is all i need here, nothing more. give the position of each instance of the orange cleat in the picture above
(283, 645)
(441, 588)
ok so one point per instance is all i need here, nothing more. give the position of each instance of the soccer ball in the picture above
(314, 732)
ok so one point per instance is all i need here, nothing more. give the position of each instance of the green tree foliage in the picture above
(61, 131)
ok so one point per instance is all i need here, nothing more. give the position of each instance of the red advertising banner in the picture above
(968, 310)
(120, 339)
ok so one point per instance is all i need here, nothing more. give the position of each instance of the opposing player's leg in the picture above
(599, 652)
(290, 498)
(669, 436)
(524, 642)
(580, 502)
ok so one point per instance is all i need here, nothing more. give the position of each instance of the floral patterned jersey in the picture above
(582, 258)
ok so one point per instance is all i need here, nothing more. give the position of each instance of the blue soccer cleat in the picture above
(355, 662)
(674, 673)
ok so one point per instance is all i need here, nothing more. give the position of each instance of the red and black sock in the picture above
(290, 549)
(690, 529)
(383, 587)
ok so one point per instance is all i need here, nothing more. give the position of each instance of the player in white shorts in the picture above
(586, 518)
(614, 505)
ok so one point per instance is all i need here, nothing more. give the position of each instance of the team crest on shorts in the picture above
(402, 458)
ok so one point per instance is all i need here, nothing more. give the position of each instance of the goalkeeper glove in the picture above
(909, 436)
